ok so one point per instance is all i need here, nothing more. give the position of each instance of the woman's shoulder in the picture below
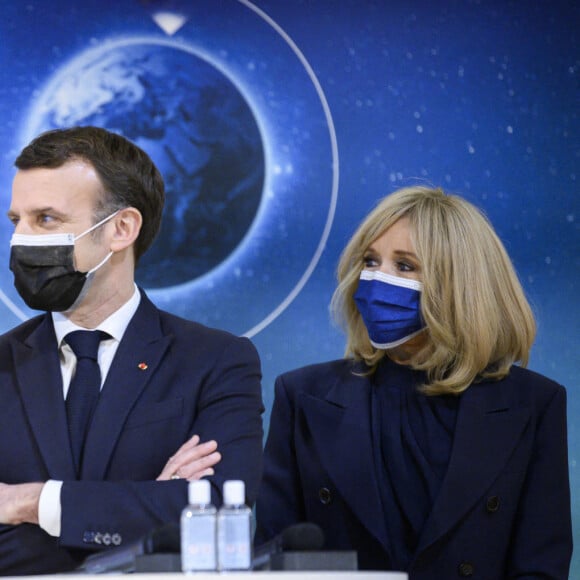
(529, 379)
(520, 387)
(540, 389)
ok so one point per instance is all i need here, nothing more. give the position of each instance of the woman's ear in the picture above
(127, 224)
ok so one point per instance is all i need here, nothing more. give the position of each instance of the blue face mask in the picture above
(390, 308)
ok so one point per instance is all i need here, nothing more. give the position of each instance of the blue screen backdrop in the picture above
(278, 124)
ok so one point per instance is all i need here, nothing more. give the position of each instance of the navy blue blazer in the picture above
(194, 380)
(504, 506)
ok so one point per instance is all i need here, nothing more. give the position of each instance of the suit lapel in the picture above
(486, 433)
(342, 421)
(39, 377)
(138, 356)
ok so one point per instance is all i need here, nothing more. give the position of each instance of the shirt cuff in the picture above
(49, 508)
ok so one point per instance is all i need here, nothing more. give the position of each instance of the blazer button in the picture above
(492, 504)
(465, 569)
(324, 496)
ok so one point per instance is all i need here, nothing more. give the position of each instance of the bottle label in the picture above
(198, 548)
(234, 544)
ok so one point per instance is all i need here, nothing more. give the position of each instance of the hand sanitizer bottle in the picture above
(234, 529)
(198, 529)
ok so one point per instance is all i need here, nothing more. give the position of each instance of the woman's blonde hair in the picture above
(478, 319)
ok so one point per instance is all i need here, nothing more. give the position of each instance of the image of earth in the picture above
(198, 129)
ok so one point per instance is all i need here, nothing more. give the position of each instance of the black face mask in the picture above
(45, 276)
(44, 271)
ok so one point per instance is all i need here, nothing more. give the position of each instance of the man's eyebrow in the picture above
(39, 211)
(47, 209)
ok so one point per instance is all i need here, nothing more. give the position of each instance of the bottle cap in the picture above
(199, 492)
(234, 492)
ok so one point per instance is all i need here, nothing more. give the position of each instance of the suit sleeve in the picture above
(231, 413)
(229, 410)
(542, 538)
(280, 500)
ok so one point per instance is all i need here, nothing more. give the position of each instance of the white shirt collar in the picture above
(115, 325)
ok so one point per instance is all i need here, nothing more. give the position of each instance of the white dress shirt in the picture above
(49, 506)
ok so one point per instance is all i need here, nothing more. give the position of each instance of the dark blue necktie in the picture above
(85, 387)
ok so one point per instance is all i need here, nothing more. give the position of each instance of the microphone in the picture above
(165, 539)
(299, 547)
(301, 537)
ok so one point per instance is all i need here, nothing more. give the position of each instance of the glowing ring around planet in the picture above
(220, 279)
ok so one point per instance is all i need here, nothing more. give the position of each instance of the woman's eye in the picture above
(370, 262)
(405, 267)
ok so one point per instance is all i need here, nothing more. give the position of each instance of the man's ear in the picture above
(127, 224)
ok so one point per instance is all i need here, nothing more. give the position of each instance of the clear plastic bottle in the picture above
(198, 530)
(234, 529)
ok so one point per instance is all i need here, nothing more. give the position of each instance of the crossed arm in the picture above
(222, 405)
(193, 460)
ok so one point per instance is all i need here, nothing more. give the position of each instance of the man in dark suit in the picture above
(174, 401)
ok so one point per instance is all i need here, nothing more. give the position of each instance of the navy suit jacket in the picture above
(504, 507)
(170, 379)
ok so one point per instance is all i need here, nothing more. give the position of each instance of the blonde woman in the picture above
(427, 448)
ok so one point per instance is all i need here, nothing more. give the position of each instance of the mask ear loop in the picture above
(97, 225)
(100, 264)
(89, 231)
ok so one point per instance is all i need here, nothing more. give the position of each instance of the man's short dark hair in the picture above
(128, 176)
